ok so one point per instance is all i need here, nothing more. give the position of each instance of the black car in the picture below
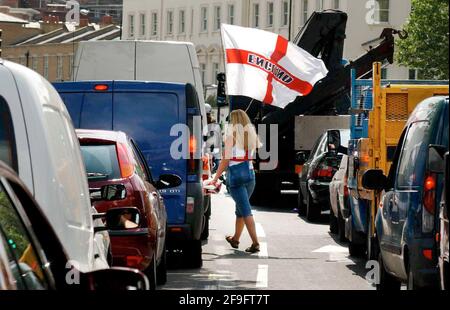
(318, 170)
(33, 258)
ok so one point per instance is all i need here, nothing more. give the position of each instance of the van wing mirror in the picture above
(436, 162)
(374, 179)
(333, 140)
(113, 279)
(168, 181)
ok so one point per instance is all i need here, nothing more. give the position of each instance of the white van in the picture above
(161, 61)
(38, 141)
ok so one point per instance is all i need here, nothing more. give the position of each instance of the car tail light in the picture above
(322, 171)
(192, 162)
(101, 87)
(190, 204)
(428, 254)
(133, 261)
(206, 168)
(429, 202)
(126, 166)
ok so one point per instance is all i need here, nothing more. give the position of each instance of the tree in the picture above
(426, 47)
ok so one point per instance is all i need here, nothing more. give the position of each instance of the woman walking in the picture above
(241, 142)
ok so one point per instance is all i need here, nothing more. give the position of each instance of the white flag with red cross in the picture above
(267, 67)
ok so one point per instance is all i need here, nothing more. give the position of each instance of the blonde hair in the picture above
(243, 132)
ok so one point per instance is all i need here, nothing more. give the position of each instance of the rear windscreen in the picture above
(101, 162)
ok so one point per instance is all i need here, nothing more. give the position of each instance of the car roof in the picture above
(104, 135)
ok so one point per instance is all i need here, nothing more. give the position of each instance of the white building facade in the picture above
(199, 21)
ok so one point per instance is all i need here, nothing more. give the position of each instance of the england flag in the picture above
(267, 67)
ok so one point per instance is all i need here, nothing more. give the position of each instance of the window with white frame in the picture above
(34, 63)
(382, 11)
(143, 24)
(182, 22)
(45, 67)
(131, 25)
(305, 11)
(319, 5)
(285, 13)
(231, 14)
(71, 66)
(269, 14)
(217, 17)
(192, 20)
(203, 72)
(169, 28)
(336, 4)
(256, 15)
(59, 68)
(204, 19)
(154, 24)
(215, 70)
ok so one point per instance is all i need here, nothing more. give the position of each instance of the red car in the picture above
(119, 178)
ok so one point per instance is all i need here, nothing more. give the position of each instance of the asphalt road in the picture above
(295, 254)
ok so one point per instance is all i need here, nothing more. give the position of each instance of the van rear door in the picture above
(148, 114)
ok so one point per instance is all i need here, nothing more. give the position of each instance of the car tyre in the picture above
(312, 210)
(161, 270)
(150, 272)
(205, 231)
(333, 223)
(341, 227)
(193, 254)
(386, 281)
(301, 208)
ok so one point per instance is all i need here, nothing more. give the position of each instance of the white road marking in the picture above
(262, 277)
(216, 237)
(263, 250)
(224, 262)
(260, 231)
(331, 249)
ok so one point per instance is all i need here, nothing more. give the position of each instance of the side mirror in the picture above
(301, 158)
(168, 181)
(333, 140)
(436, 158)
(109, 192)
(113, 279)
(123, 218)
(374, 179)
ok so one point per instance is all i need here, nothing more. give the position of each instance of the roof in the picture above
(5, 18)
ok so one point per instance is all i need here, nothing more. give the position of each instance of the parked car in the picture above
(153, 114)
(38, 141)
(339, 200)
(444, 229)
(31, 254)
(318, 170)
(113, 158)
(407, 221)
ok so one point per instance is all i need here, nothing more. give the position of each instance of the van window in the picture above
(148, 118)
(101, 162)
(7, 143)
(97, 112)
(414, 152)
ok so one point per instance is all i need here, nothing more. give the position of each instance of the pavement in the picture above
(295, 254)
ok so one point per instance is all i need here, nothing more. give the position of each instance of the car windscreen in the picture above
(101, 162)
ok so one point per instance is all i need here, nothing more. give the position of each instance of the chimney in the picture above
(106, 20)
(84, 22)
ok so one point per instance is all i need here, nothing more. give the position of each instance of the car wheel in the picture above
(193, 254)
(205, 231)
(386, 281)
(312, 210)
(161, 270)
(333, 223)
(150, 272)
(300, 204)
(341, 227)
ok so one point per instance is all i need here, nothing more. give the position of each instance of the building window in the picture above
(34, 63)
(269, 14)
(169, 22)
(256, 15)
(71, 67)
(231, 14)
(337, 4)
(384, 73)
(203, 73)
(319, 5)
(305, 11)
(217, 18)
(412, 74)
(182, 22)
(59, 68)
(215, 70)
(285, 13)
(45, 65)
(382, 11)
(204, 19)
(154, 24)
(143, 24)
(131, 25)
